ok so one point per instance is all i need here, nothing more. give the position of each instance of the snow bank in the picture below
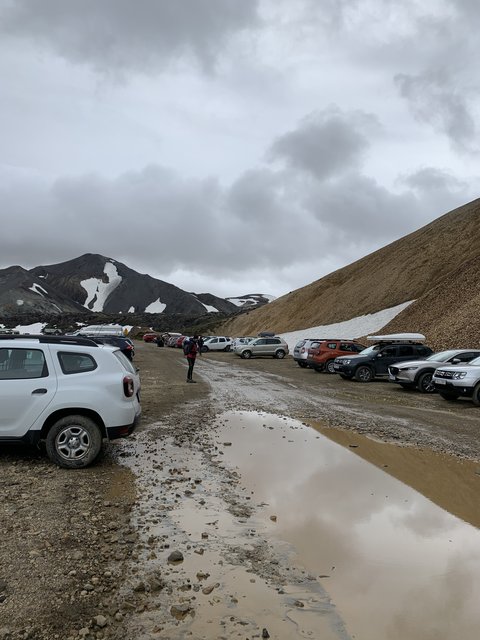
(349, 329)
(98, 290)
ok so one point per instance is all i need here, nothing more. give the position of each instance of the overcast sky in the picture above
(233, 146)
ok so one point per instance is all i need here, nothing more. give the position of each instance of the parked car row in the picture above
(403, 358)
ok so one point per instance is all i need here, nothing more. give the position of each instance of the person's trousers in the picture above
(191, 362)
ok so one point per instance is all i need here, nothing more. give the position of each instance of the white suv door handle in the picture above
(39, 391)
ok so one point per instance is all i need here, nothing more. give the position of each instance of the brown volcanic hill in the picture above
(429, 266)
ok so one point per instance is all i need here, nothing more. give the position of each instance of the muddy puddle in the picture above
(395, 564)
(286, 533)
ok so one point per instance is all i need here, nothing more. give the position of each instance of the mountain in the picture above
(437, 266)
(95, 283)
(21, 292)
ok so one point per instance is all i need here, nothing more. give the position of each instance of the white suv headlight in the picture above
(347, 361)
(459, 375)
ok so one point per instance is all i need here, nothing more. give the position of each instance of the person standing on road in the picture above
(199, 345)
(190, 350)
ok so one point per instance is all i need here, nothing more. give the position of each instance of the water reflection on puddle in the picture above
(396, 565)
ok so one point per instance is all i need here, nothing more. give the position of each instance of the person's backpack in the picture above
(187, 347)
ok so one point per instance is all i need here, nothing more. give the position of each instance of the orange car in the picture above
(322, 353)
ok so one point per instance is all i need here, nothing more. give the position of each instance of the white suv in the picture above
(459, 380)
(68, 393)
(217, 343)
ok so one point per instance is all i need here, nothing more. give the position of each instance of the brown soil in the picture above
(438, 266)
(71, 554)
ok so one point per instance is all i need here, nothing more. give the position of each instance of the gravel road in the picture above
(86, 554)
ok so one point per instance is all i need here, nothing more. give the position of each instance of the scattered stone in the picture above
(265, 633)
(273, 518)
(175, 556)
(181, 611)
(100, 621)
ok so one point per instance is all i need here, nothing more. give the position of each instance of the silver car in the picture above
(274, 347)
(300, 350)
(419, 373)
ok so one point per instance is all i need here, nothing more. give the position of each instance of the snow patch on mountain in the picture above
(209, 308)
(349, 329)
(98, 291)
(36, 288)
(155, 307)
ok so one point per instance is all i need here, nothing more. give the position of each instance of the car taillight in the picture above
(128, 386)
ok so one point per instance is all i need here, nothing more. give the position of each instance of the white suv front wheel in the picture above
(74, 442)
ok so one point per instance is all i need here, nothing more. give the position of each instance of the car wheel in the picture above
(476, 395)
(227, 348)
(451, 397)
(204, 349)
(364, 374)
(73, 442)
(329, 366)
(425, 383)
(302, 364)
(246, 354)
(279, 354)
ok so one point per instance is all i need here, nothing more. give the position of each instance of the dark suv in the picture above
(375, 360)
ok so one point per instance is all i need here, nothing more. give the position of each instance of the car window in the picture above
(122, 358)
(221, 340)
(300, 344)
(331, 345)
(421, 351)
(273, 341)
(72, 362)
(261, 341)
(213, 341)
(389, 352)
(22, 364)
(467, 356)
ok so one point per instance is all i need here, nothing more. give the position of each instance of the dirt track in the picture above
(76, 561)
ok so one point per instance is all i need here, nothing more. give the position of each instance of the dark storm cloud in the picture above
(118, 35)
(433, 98)
(326, 142)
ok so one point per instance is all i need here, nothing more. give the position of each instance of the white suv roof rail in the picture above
(88, 342)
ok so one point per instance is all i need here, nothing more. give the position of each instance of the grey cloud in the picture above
(326, 142)
(272, 224)
(119, 35)
(432, 179)
(433, 99)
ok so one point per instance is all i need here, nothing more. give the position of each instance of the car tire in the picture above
(450, 397)
(476, 395)
(280, 354)
(227, 348)
(204, 349)
(424, 382)
(363, 374)
(246, 355)
(302, 364)
(74, 442)
(329, 366)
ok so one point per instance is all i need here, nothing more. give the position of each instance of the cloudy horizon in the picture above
(232, 147)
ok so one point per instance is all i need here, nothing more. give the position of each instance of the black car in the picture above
(124, 344)
(375, 360)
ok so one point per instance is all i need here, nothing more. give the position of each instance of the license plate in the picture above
(440, 381)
